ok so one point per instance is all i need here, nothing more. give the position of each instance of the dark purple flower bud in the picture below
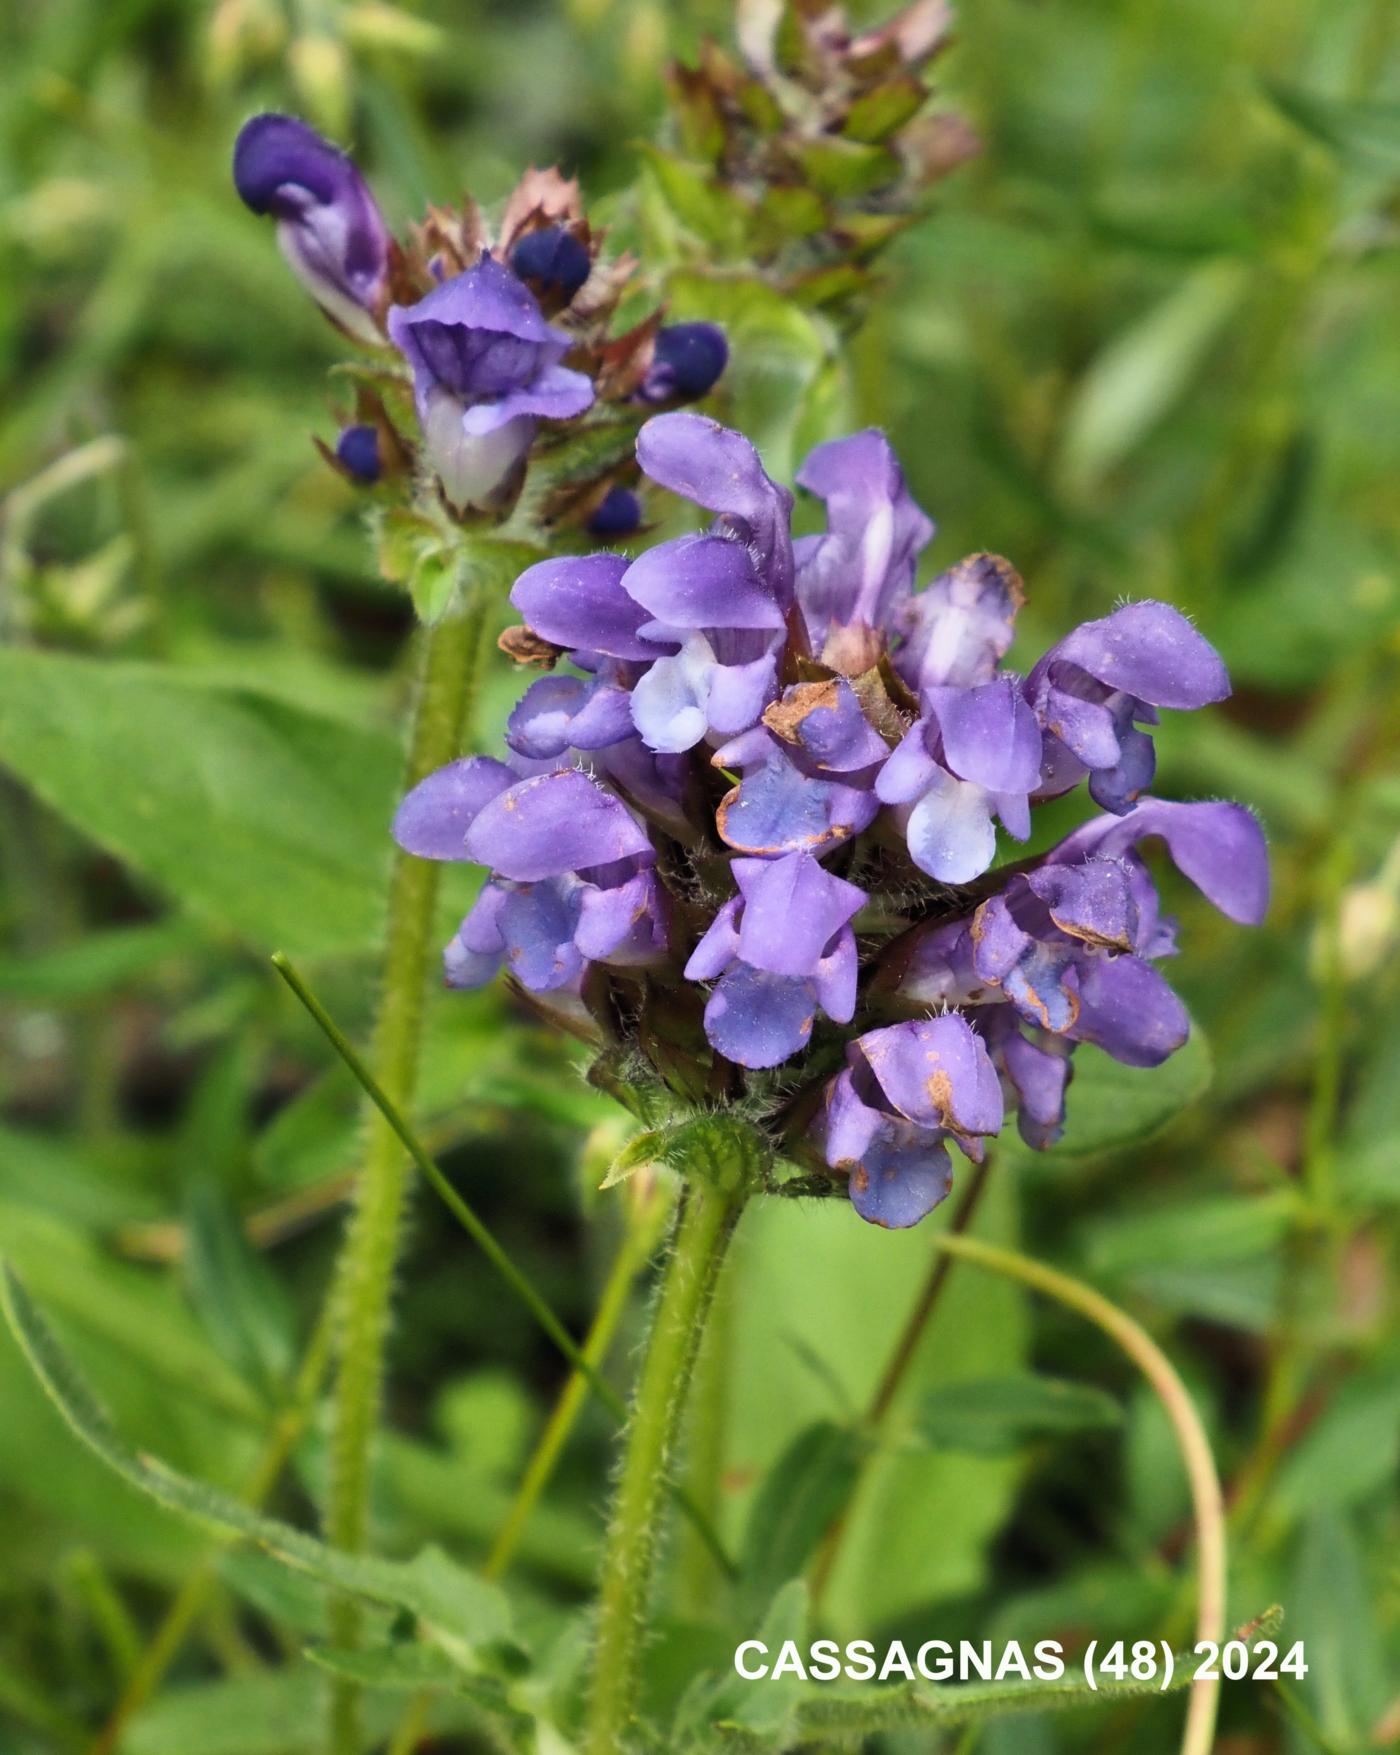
(358, 449)
(619, 515)
(486, 369)
(328, 225)
(687, 364)
(553, 261)
(1093, 690)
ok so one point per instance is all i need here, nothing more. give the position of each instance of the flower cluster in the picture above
(749, 813)
(816, 137)
(499, 331)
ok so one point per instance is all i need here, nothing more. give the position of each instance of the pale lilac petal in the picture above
(434, 818)
(719, 946)
(1219, 846)
(1094, 902)
(720, 470)
(864, 567)
(902, 1177)
(578, 602)
(910, 770)
(990, 735)
(836, 976)
(537, 923)
(778, 809)
(670, 703)
(1128, 1010)
(935, 1072)
(740, 692)
(758, 1019)
(560, 712)
(555, 823)
(792, 910)
(1149, 650)
(950, 830)
(703, 582)
(959, 628)
(622, 925)
(826, 722)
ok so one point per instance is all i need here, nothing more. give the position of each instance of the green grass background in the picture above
(1146, 344)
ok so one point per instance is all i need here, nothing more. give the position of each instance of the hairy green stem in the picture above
(449, 667)
(708, 1214)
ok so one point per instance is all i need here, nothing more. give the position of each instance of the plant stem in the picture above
(1207, 1501)
(897, 1367)
(644, 1222)
(449, 666)
(708, 1214)
(631, 1258)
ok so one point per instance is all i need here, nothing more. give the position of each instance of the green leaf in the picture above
(805, 1490)
(259, 816)
(409, 1667)
(244, 1305)
(881, 111)
(1368, 133)
(847, 167)
(992, 1416)
(1224, 1228)
(462, 1611)
(98, 963)
(1111, 1106)
(1142, 372)
(642, 1149)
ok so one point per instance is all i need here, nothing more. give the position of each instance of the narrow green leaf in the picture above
(804, 1491)
(407, 1668)
(991, 1416)
(1142, 372)
(460, 1609)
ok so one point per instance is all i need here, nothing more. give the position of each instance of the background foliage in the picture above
(1146, 346)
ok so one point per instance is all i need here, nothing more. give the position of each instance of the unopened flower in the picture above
(358, 449)
(744, 803)
(688, 362)
(328, 225)
(486, 369)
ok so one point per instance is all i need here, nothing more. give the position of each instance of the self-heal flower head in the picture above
(747, 832)
(328, 225)
(486, 369)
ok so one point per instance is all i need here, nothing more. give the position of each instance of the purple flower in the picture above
(862, 570)
(486, 369)
(975, 753)
(870, 741)
(906, 1090)
(1094, 691)
(782, 948)
(687, 364)
(328, 225)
